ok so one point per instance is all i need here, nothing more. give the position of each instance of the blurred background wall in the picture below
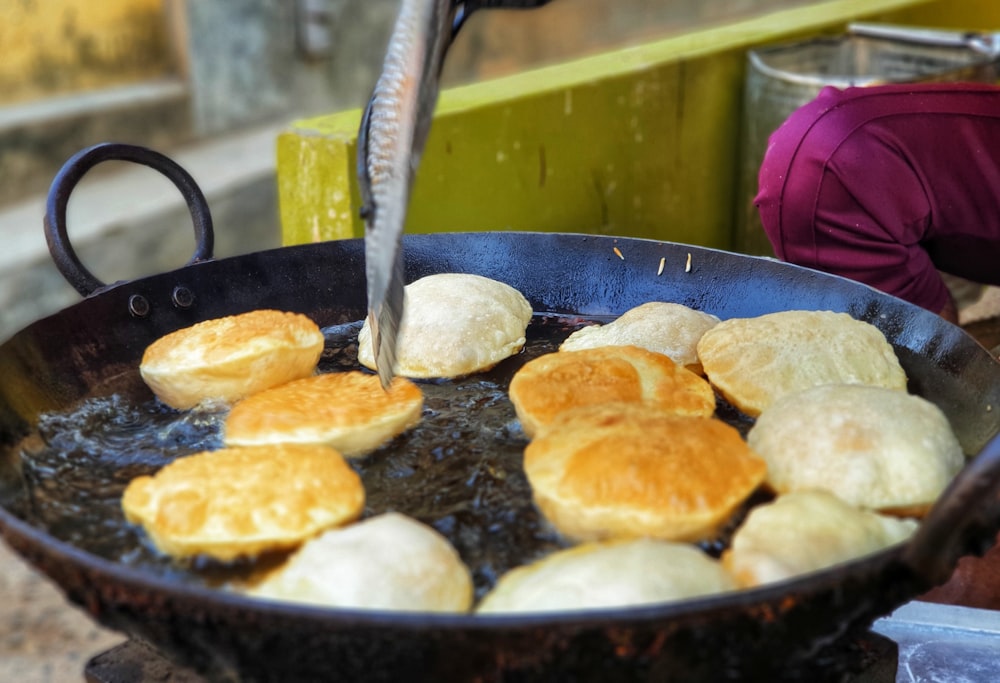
(212, 83)
(167, 72)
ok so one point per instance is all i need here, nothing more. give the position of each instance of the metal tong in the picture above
(984, 43)
(394, 128)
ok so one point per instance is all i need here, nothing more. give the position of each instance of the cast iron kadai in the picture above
(93, 348)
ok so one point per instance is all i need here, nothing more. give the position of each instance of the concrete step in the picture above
(36, 137)
(127, 221)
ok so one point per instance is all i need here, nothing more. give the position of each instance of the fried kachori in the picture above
(805, 531)
(556, 382)
(226, 359)
(755, 361)
(873, 447)
(618, 470)
(241, 502)
(454, 324)
(607, 575)
(387, 562)
(349, 411)
(668, 328)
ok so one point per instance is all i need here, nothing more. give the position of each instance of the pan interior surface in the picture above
(458, 471)
(76, 422)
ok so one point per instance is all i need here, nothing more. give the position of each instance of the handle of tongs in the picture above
(964, 520)
(979, 42)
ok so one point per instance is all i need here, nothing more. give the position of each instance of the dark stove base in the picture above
(877, 659)
(136, 662)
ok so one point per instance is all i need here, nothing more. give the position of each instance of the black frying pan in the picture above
(93, 349)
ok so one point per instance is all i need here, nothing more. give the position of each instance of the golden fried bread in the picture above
(627, 470)
(225, 359)
(609, 574)
(806, 531)
(667, 328)
(239, 502)
(346, 410)
(388, 562)
(551, 384)
(754, 361)
(873, 447)
(454, 324)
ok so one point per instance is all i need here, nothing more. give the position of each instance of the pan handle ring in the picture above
(63, 254)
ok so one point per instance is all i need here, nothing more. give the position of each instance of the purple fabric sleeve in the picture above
(887, 185)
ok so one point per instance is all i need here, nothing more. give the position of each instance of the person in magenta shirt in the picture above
(890, 186)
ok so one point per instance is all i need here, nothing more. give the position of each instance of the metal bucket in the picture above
(784, 77)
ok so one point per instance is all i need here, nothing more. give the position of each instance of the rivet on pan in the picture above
(138, 306)
(182, 297)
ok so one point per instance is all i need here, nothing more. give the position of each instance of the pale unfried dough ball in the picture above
(454, 324)
(387, 562)
(873, 447)
(755, 361)
(667, 328)
(805, 531)
(607, 575)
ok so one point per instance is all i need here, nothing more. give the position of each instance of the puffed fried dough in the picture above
(240, 502)
(873, 447)
(346, 410)
(667, 328)
(454, 324)
(755, 361)
(805, 531)
(225, 359)
(388, 562)
(621, 470)
(606, 575)
(556, 382)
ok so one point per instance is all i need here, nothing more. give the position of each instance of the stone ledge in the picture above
(36, 138)
(131, 222)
